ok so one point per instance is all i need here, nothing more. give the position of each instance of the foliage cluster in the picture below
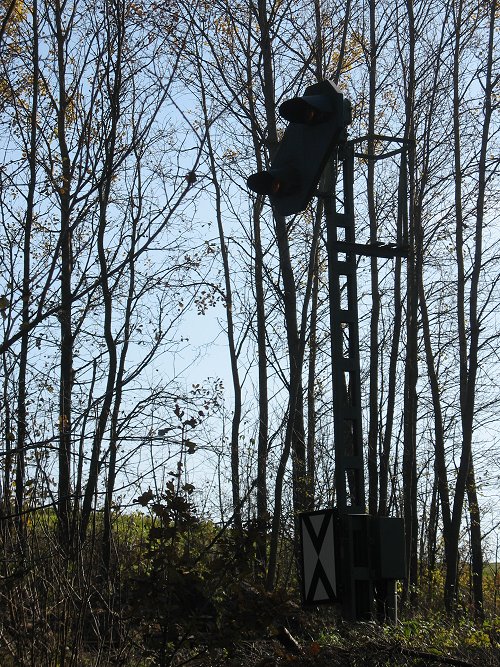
(184, 591)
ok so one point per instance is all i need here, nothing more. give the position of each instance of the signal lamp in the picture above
(317, 124)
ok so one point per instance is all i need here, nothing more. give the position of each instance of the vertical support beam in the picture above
(349, 467)
(357, 594)
(371, 550)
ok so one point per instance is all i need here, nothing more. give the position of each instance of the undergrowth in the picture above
(183, 591)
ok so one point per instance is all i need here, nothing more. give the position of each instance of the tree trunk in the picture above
(65, 311)
(411, 364)
(26, 288)
(233, 353)
(114, 25)
(311, 389)
(402, 221)
(263, 433)
(476, 545)
(375, 293)
(295, 432)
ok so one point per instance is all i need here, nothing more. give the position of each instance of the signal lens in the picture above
(276, 186)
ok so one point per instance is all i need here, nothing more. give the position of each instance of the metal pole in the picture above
(357, 594)
(344, 328)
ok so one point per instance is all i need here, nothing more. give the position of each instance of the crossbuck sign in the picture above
(319, 580)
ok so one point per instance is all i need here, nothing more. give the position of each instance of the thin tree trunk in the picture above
(451, 581)
(411, 365)
(396, 336)
(465, 478)
(375, 293)
(432, 529)
(295, 433)
(468, 347)
(439, 435)
(65, 311)
(6, 499)
(233, 354)
(26, 289)
(276, 519)
(104, 194)
(263, 434)
(477, 557)
(311, 389)
(476, 545)
(113, 445)
(263, 430)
